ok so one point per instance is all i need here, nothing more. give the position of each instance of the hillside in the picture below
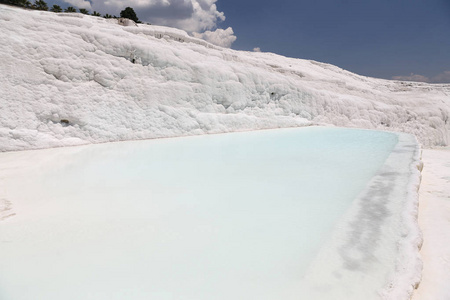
(70, 79)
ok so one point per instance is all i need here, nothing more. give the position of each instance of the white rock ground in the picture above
(434, 221)
(71, 79)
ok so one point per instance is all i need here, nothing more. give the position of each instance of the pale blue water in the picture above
(231, 216)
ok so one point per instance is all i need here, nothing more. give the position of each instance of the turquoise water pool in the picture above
(230, 216)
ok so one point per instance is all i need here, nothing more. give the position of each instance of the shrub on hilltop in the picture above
(23, 3)
(56, 8)
(129, 14)
(40, 5)
(70, 9)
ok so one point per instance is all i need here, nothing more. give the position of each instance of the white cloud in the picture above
(412, 77)
(188, 15)
(193, 16)
(443, 77)
(204, 17)
(80, 4)
(256, 49)
(219, 37)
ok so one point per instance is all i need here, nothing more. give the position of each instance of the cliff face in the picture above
(69, 79)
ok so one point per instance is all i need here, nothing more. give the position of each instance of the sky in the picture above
(391, 39)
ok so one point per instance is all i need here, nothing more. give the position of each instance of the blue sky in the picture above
(401, 39)
(381, 38)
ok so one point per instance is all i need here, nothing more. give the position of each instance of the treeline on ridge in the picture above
(42, 5)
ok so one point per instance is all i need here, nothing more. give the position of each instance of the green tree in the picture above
(23, 3)
(56, 8)
(129, 14)
(12, 2)
(70, 9)
(96, 14)
(84, 11)
(107, 16)
(40, 5)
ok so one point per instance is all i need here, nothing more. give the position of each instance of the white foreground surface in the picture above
(78, 68)
(237, 216)
(434, 221)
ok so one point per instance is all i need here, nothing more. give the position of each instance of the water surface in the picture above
(230, 216)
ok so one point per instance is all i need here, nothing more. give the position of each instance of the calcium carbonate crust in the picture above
(408, 268)
(376, 243)
(71, 79)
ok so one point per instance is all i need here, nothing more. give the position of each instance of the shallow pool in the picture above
(230, 216)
